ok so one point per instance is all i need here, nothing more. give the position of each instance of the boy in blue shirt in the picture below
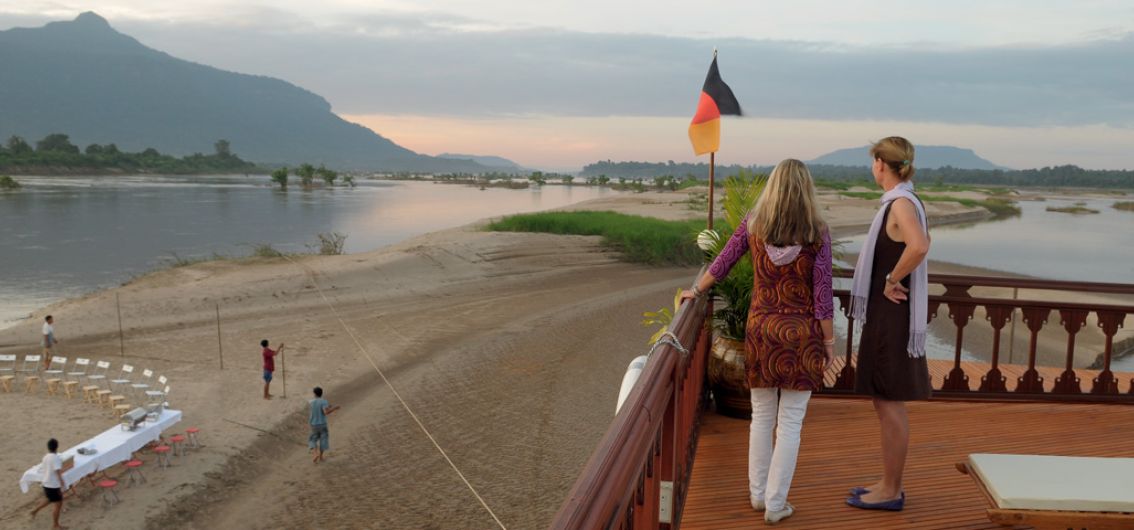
(319, 440)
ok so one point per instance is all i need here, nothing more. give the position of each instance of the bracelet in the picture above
(697, 292)
(830, 342)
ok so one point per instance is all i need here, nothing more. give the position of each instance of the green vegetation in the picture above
(8, 183)
(828, 176)
(740, 193)
(265, 250)
(1126, 206)
(56, 154)
(279, 176)
(330, 244)
(1074, 210)
(640, 239)
(1000, 208)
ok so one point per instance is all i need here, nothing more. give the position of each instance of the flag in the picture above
(716, 99)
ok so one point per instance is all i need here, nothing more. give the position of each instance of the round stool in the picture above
(178, 442)
(135, 473)
(162, 452)
(193, 442)
(109, 496)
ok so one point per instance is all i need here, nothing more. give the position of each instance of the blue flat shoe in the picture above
(894, 505)
(858, 491)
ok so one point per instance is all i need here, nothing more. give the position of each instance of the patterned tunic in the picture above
(783, 339)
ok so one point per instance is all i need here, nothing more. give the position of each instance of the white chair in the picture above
(156, 400)
(156, 397)
(53, 375)
(75, 377)
(123, 377)
(94, 391)
(141, 387)
(7, 371)
(30, 372)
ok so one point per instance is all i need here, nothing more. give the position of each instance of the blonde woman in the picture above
(789, 340)
(889, 298)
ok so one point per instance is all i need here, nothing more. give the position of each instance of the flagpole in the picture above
(712, 165)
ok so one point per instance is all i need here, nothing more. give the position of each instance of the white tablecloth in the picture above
(114, 445)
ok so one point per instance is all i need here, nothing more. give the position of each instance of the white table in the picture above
(114, 445)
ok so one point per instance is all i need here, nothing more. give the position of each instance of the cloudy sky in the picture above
(560, 83)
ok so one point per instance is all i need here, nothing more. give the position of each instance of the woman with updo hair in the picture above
(889, 299)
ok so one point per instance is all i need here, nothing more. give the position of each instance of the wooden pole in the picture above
(712, 167)
(220, 346)
(121, 341)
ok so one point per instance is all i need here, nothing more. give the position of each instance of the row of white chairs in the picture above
(101, 387)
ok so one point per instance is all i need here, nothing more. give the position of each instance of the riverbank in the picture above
(508, 346)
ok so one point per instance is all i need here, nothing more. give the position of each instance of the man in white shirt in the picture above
(52, 482)
(48, 340)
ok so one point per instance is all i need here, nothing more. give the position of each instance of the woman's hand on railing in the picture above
(687, 294)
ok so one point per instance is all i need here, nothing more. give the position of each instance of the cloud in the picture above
(433, 65)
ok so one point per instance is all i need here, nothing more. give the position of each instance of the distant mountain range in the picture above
(84, 79)
(492, 162)
(927, 156)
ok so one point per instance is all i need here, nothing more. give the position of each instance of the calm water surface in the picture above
(65, 236)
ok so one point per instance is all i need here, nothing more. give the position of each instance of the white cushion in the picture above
(1030, 482)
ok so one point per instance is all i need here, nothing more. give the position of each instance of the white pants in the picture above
(770, 470)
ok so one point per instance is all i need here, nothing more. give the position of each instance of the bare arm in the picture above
(330, 409)
(917, 247)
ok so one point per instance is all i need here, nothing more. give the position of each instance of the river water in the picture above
(66, 236)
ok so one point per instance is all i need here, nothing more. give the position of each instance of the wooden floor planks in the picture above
(840, 450)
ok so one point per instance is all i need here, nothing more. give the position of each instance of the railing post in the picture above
(845, 381)
(997, 315)
(957, 381)
(1031, 382)
(1073, 320)
(1109, 321)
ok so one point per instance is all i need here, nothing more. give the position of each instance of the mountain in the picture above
(492, 162)
(928, 156)
(84, 79)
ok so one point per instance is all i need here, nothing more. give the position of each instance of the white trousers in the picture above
(770, 470)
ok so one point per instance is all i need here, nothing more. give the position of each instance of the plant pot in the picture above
(727, 378)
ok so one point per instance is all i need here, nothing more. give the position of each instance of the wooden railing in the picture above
(648, 449)
(961, 305)
(639, 472)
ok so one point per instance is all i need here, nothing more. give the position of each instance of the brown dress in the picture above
(783, 340)
(885, 368)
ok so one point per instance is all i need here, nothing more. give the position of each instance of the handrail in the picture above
(641, 466)
(648, 448)
(1030, 386)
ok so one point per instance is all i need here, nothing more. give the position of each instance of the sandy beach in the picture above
(509, 348)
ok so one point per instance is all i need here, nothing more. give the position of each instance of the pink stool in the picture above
(178, 442)
(162, 452)
(193, 443)
(109, 497)
(135, 473)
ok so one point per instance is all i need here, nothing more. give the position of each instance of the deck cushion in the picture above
(1030, 482)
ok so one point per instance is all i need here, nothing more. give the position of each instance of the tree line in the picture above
(55, 153)
(307, 174)
(1055, 176)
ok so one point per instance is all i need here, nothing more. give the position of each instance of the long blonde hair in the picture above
(786, 212)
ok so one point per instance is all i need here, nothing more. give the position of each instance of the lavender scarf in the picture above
(919, 279)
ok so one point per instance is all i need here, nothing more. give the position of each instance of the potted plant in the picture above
(726, 365)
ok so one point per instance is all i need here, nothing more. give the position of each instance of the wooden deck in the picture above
(840, 450)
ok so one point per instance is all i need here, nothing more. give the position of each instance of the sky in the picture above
(556, 84)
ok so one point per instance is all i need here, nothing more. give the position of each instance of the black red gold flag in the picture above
(716, 99)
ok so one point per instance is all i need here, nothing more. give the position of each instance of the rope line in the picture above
(310, 273)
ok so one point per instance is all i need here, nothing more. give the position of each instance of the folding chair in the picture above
(155, 399)
(123, 377)
(7, 371)
(53, 375)
(30, 372)
(94, 391)
(116, 398)
(75, 377)
(142, 386)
